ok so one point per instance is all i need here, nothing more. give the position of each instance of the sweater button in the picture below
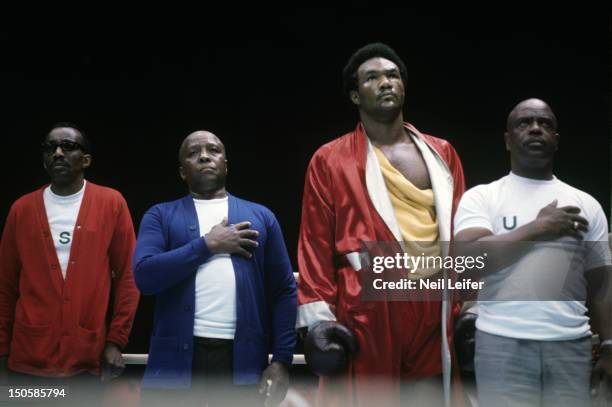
(192, 228)
(185, 346)
(53, 266)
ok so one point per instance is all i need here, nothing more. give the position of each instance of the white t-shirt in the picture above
(511, 202)
(215, 291)
(62, 212)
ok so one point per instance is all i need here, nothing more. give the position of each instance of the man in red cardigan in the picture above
(64, 248)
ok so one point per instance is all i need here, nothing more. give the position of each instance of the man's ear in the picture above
(87, 158)
(557, 138)
(354, 95)
(182, 172)
(225, 167)
(507, 141)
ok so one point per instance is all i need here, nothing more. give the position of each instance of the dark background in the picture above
(268, 83)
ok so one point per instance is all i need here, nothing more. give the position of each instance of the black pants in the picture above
(212, 380)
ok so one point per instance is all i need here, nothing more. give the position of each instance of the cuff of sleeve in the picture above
(284, 357)
(313, 312)
(120, 343)
(200, 247)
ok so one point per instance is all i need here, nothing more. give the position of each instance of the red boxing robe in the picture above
(346, 203)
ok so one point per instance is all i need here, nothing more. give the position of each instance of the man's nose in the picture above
(384, 82)
(58, 152)
(204, 155)
(535, 127)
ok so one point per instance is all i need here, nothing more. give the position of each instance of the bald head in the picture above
(530, 105)
(197, 137)
(203, 165)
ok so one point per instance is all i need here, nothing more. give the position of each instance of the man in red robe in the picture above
(348, 202)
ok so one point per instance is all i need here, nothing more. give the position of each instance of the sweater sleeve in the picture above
(10, 266)
(126, 295)
(156, 268)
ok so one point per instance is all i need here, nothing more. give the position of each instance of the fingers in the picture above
(580, 224)
(244, 253)
(248, 243)
(570, 209)
(274, 395)
(263, 384)
(553, 203)
(223, 221)
(595, 381)
(242, 225)
(249, 234)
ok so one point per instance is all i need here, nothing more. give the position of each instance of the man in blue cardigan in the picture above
(224, 286)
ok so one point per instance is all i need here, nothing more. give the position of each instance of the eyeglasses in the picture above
(65, 145)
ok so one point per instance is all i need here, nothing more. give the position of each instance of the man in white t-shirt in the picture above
(528, 351)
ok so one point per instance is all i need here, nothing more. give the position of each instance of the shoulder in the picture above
(168, 206)
(334, 148)
(254, 211)
(104, 192)
(27, 201)
(254, 207)
(485, 193)
(583, 199)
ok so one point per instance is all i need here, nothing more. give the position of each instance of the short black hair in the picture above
(87, 145)
(374, 50)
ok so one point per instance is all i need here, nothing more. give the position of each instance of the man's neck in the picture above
(212, 194)
(69, 188)
(535, 173)
(385, 132)
(540, 172)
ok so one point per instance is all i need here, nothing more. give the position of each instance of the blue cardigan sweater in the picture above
(169, 251)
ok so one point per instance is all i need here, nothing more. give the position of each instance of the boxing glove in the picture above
(328, 347)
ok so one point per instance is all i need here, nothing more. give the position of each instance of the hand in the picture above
(556, 222)
(465, 332)
(328, 347)
(238, 238)
(3, 370)
(112, 362)
(274, 384)
(601, 377)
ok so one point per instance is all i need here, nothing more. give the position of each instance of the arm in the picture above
(9, 289)
(600, 307)
(10, 266)
(283, 305)
(551, 223)
(599, 296)
(317, 287)
(156, 268)
(282, 295)
(125, 293)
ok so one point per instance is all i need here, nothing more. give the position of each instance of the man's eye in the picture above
(192, 153)
(523, 123)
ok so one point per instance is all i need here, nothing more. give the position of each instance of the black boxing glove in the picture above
(328, 347)
(465, 332)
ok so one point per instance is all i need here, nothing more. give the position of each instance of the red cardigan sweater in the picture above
(55, 327)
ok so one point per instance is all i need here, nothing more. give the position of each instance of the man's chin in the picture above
(61, 179)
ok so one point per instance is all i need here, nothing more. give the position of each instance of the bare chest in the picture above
(407, 159)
